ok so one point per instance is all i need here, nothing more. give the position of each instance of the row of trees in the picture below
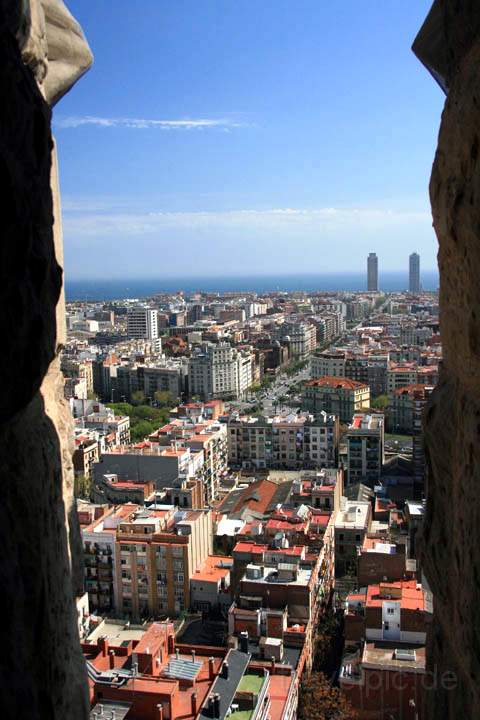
(145, 418)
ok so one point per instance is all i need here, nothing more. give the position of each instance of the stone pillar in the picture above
(449, 46)
(43, 672)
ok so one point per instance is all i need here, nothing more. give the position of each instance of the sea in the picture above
(118, 289)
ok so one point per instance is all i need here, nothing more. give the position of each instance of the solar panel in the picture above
(182, 669)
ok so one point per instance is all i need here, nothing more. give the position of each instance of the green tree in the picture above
(164, 398)
(143, 412)
(138, 398)
(380, 402)
(121, 408)
(141, 430)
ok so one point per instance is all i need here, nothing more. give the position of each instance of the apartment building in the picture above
(365, 449)
(166, 376)
(419, 401)
(291, 442)
(401, 407)
(336, 396)
(157, 552)
(150, 462)
(136, 671)
(220, 371)
(301, 337)
(328, 364)
(74, 368)
(352, 523)
(401, 376)
(86, 453)
(142, 322)
(98, 526)
(93, 415)
(393, 620)
(209, 438)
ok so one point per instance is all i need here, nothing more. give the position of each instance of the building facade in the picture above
(414, 273)
(372, 272)
(336, 396)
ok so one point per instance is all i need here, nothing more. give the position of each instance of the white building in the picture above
(142, 322)
(220, 371)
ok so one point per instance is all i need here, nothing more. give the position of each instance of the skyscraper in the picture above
(372, 272)
(414, 273)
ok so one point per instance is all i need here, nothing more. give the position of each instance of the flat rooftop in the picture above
(386, 655)
(270, 576)
(353, 516)
(117, 632)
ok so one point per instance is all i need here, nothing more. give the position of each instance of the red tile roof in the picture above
(334, 382)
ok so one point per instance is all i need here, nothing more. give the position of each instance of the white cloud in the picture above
(281, 220)
(75, 121)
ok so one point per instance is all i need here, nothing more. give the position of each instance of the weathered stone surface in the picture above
(451, 554)
(43, 673)
(30, 277)
(54, 47)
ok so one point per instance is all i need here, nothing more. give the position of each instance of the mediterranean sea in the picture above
(118, 289)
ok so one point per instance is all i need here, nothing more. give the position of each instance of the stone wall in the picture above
(43, 671)
(449, 44)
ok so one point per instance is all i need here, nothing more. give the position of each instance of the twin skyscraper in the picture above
(413, 273)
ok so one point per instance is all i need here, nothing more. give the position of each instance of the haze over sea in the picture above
(117, 289)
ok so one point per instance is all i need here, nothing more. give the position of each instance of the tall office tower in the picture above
(414, 273)
(142, 322)
(372, 272)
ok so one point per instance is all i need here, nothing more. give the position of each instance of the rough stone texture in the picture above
(451, 539)
(54, 47)
(43, 673)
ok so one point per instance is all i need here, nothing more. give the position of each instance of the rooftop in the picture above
(391, 656)
(334, 382)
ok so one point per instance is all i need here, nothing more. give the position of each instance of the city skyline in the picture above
(230, 171)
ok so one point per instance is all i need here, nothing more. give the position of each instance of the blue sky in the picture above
(229, 137)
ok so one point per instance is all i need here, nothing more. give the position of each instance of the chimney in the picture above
(211, 672)
(177, 654)
(216, 705)
(111, 655)
(244, 641)
(194, 704)
(193, 656)
(272, 664)
(102, 644)
(159, 715)
(225, 670)
(171, 644)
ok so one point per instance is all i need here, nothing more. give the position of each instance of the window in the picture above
(390, 611)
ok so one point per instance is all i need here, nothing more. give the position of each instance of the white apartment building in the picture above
(220, 371)
(142, 322)
(327, 365)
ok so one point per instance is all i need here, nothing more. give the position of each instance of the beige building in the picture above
(337, 396)
(157, 552)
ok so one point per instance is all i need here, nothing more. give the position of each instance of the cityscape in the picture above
(250, 479)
